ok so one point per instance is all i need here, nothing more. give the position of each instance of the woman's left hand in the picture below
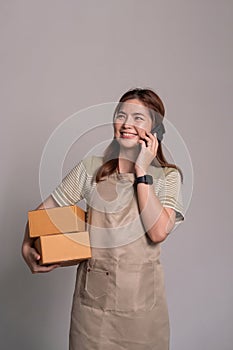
(148, 151)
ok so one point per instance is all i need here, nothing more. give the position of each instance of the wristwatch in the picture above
(146, 179)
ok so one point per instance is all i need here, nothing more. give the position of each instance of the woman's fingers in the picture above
(151, 142)
(154, 141)
(37, 268)
(152, 137)
(147, 136)
(34, 255)
(149, 149)
(33, 262)
(42, 269)
(144, 139)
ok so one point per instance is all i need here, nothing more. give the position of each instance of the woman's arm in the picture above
(157, 220)
(29, 253)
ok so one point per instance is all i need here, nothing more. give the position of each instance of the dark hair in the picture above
(151, 100)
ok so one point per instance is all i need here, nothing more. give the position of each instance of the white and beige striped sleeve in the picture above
(170, 195)
(71, 189)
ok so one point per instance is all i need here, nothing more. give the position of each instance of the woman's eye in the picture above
(120, 116)
(138, 118)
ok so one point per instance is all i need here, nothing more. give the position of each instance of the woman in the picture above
(133, 202)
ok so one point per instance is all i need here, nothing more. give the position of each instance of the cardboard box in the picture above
(56, 220)
(68, 248)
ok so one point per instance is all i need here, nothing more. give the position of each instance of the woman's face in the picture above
(131, 122)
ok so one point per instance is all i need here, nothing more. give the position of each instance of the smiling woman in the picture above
(130, 122)
(138, 111)
(133, 198)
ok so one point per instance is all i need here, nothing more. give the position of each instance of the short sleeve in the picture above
(71, 189)
(170, 194)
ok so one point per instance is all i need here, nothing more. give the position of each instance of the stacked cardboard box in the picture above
(60, 235)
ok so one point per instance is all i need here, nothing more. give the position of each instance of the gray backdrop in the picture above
(58, 57)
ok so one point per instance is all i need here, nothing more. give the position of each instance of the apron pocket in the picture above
(135, 287)
(95, 287)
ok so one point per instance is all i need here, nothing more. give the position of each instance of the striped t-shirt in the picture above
(80, 181)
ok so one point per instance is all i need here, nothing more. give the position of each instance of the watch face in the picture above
(146, 179)
(149, 179)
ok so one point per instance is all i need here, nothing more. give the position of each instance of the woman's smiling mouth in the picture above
(127, 135)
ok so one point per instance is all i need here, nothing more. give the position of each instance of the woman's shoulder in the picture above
(162, 172)
(92, 163)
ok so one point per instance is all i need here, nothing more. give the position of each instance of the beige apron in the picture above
(119, 298)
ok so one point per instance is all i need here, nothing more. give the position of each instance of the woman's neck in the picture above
(126, 162)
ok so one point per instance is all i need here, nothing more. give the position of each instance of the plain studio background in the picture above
(58, 57)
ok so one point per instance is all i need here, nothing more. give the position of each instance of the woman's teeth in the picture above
(127, 134)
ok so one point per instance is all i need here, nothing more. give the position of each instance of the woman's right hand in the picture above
(31, 256)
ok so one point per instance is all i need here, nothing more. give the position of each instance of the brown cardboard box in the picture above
(56, 220)
(68, 248)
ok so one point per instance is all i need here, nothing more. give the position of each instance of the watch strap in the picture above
(146, 179)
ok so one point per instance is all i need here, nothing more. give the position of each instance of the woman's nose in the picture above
(128, 121)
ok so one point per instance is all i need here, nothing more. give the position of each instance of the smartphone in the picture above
(159, 130)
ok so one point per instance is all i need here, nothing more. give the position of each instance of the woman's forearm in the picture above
(27, 239)
(155, 218)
